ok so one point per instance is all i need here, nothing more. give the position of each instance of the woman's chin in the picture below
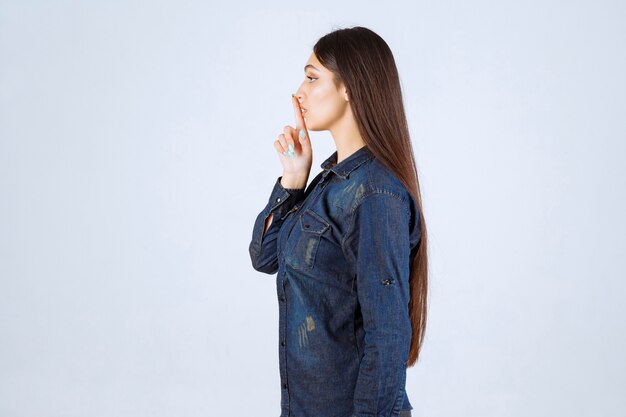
(311, 125)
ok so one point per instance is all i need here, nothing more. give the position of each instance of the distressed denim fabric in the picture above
(342, 250)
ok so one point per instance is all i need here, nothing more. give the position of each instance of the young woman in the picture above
(350, 250)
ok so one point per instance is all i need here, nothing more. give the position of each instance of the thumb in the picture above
(302, 136)
(305, 143)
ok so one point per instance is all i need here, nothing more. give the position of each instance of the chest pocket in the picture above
(306, 236)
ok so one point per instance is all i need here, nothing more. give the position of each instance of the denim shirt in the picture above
(342, 250)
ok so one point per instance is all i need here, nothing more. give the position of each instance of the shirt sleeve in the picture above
(378, 242)
(262, 248)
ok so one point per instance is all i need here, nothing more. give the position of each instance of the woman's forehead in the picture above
(314, 64)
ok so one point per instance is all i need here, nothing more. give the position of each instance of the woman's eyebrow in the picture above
(309, 65)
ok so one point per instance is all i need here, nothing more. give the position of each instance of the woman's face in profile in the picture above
(324, 104)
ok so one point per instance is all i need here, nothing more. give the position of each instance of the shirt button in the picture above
(281, 298)
(278, 199)
(285, 386)
(282, 343)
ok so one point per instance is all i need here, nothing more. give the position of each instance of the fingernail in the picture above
(302, 135)
(293, 95)
(290, 148)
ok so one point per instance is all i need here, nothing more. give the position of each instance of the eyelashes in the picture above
(310, 78)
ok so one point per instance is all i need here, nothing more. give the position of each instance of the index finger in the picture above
(300, 124)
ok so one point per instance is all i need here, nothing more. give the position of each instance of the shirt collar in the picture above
(349, 164)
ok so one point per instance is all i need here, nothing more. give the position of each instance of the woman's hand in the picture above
(294, 150)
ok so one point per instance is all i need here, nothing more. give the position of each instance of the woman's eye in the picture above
(310, 78)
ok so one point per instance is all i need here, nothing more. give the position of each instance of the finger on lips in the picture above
(289, 132)
(301, 124)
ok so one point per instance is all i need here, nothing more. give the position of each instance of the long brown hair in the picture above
(363, 62)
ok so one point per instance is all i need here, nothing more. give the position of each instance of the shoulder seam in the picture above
(375, 191)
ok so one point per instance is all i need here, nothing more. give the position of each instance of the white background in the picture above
(136, 149)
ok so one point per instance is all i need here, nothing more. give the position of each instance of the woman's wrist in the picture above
(291, 181)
